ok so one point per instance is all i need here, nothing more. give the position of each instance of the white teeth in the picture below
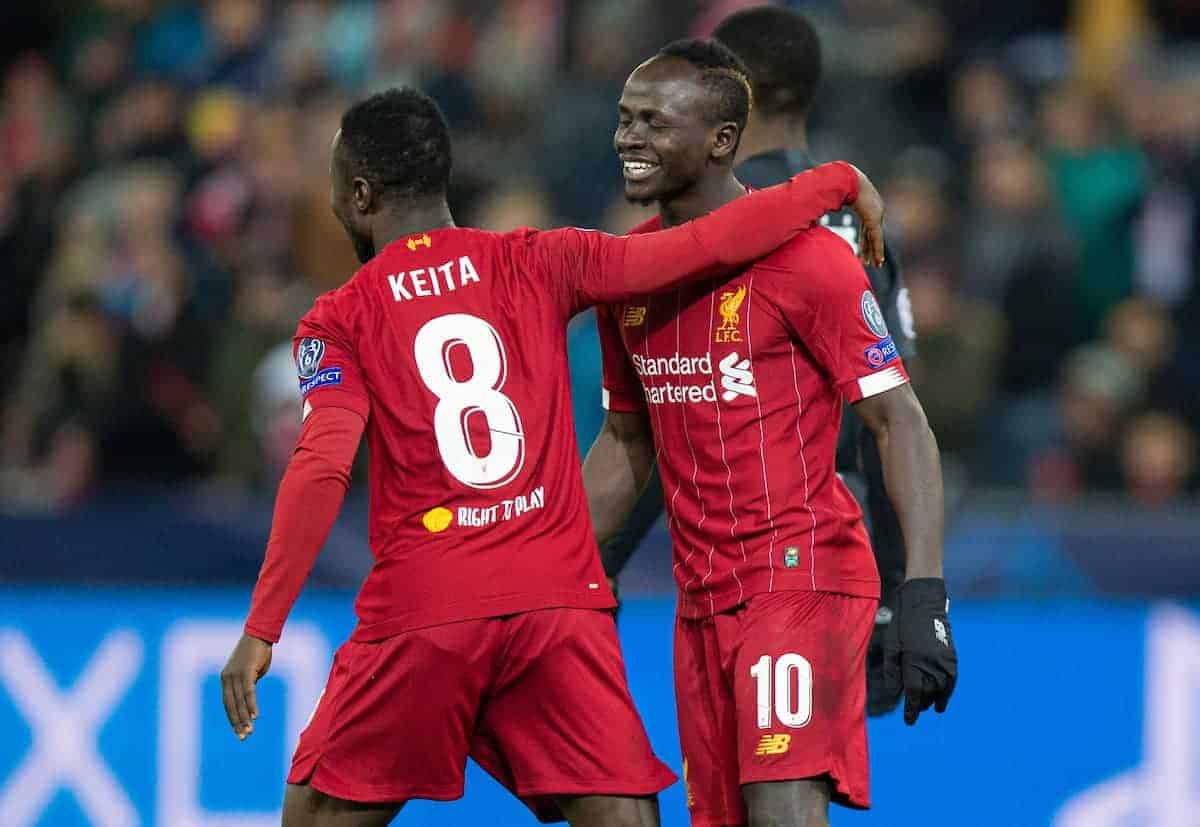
(638, 169)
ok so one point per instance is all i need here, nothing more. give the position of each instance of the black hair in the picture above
(722, 72)
(399, 142)
(783, 53)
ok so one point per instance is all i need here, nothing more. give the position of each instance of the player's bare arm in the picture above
(616, 469)
(912, 473)
(615, 474)
(920, 651)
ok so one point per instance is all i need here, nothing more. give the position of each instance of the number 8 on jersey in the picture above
(458, 400)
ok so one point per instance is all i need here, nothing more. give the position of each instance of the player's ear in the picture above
(362, 194)
(725, 140)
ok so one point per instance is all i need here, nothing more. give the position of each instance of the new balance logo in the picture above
(634, 316)
(939, 631)
(736, 378)
(773, 744)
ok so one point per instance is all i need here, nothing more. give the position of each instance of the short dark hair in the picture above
(783, 53)
(398, 141)
(723, 73)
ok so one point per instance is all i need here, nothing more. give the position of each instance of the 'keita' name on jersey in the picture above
(433, 281)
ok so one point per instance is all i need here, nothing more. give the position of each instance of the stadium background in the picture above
(164, 222)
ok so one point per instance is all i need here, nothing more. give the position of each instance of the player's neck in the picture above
(709, 193)
(393, 225)
(771, 135)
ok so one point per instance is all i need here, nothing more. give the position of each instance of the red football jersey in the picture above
(744, 380)
(452, 345)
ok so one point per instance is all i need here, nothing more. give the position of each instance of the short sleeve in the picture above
(828, 303)
(327, 365)
(621, 389)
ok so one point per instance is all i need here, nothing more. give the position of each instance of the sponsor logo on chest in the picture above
(677, 377)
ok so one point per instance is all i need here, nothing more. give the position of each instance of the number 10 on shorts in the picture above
(792, 696)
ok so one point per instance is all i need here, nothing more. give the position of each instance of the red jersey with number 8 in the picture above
(450, 343)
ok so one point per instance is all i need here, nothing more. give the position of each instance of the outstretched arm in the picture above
(594, 268)
(744, 230)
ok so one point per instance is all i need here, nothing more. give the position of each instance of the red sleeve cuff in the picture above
(271, 637)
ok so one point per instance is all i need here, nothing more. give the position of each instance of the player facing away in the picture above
(483, 627)
(735, 386)
(782, 52)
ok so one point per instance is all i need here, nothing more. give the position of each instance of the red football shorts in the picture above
(774, 690)
(538, 699)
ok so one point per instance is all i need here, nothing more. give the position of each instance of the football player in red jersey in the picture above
(782, 51)
(483, 627)
(735, 386)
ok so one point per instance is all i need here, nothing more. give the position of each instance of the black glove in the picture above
(882, 695)
(919, 655)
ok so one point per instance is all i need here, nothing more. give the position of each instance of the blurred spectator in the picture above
(237, 53)
(921, 211)
(1158, 459)
(1019, 257)
(1099, 180)
(575, 154)
(960, 344)
(274, 414)
(264, 314)
(1011, 225)
(1106, 35)
(1159, 112)
(164, 213)
(1143, 333)
(985, 106)
(1077, 451)
(512, 205)
(884, 64)
(141, 122)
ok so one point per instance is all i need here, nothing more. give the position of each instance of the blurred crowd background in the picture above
(164, 214)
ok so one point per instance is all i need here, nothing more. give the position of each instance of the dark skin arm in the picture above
(250, 660)
(912, 473)
(616, 469)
